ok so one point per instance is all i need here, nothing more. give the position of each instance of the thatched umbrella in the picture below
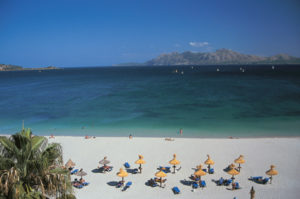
(160, 174)
(81, 173)
(240, 160)
(271, 172)
(209, 162)
(199, 172)
(233, 172)
(122, 173)
(104, 161)
(140, 161)
(174, 162)
(70, 164)
(252, 193)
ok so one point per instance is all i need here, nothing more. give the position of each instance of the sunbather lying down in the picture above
(80, 183)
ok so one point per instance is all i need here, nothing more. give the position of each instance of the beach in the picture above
(259, 154)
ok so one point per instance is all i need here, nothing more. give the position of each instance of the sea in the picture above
(158, 101)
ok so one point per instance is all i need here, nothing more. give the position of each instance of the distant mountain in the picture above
(221, 56)
(5, 67)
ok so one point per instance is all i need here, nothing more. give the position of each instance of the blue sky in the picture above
(70, 33)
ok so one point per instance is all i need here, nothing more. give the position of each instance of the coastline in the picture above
(259, 154)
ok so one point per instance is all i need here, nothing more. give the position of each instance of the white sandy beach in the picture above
(259, 154)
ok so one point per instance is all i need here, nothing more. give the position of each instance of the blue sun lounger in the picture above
(127, 165)
(237, 185)
(195, 185)
(74, 171)
(220, 181)
(175, 190)
(128, 184)
(211, 171)
(227, 182)
(202, 183)
(256, 178)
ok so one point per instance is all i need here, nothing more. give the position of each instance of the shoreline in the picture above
(175, 137)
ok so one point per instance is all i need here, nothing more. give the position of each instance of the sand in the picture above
(259, 154)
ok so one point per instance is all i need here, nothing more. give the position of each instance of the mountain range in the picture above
(221, 56)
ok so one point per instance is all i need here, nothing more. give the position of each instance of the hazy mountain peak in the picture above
(220, 56)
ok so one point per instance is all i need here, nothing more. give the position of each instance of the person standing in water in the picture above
(180, 131)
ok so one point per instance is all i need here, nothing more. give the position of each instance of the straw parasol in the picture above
(104, 161)
(199, 172)
(69, 164)
(233, 172)
(240, 160)
(81, 173)
(209, 162)
(160, 174)
(174, 162)
(140, 161)
(271, 172)
(252, 193)
(122, 173)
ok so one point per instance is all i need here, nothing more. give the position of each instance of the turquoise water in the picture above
(153, 101)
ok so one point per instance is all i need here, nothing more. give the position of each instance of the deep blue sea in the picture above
(153, 101)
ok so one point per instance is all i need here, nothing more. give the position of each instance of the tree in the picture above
(32, 168)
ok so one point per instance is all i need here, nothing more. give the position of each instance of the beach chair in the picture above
(202, 184)
(211, 171)
(205, 170)
(176, 190)
(127, 165)
(128, 184)
(220, 181)
(195, 185)
(227, 182)
(74, 171)
(256, 178)
(85, 183)
(135, 171)
(120, 184)
(237, 185)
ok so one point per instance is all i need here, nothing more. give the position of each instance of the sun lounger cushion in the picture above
(237, 185)
(202, 183)
(74, 171)
(127, 165)
(211, 171)
(176, 190)
(195, 185)
(128, 184)
(227, 182)
(85, 183)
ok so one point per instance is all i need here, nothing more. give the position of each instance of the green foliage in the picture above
(32, 168)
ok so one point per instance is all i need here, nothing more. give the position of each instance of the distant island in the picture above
(7, 67)
(221, 56)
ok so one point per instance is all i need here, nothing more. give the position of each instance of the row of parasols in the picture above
(232, 170)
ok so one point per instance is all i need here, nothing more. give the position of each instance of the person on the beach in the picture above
(51, 136)
(130, 136)
(180, 131)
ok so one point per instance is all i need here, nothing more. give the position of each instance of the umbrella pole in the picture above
(174, 168)
(160, 182)
(140, 168)
(271, 179)
(239, 167)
